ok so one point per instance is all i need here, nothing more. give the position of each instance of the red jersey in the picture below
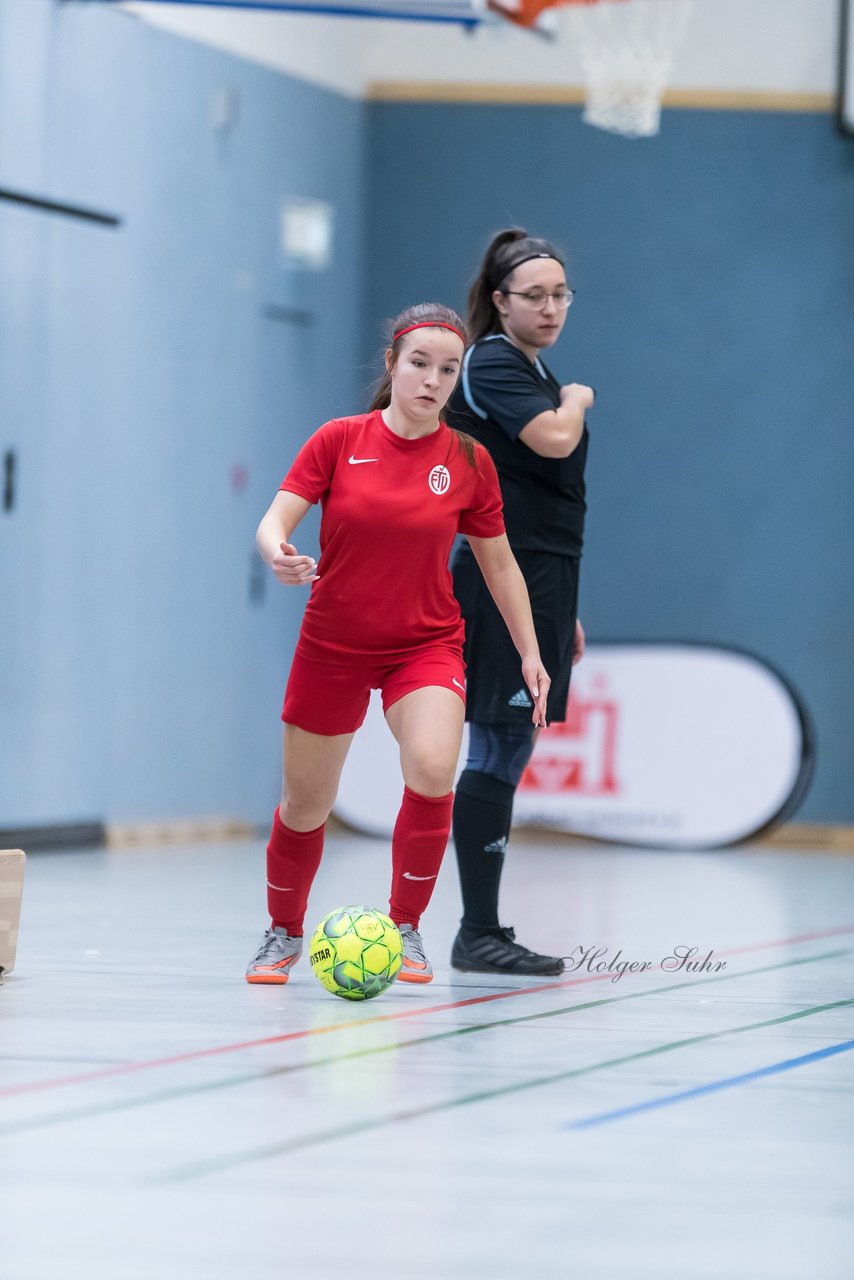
(391, 510)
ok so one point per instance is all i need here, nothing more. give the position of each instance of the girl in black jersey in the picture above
(535, 430)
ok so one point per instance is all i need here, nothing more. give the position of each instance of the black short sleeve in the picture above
(500, 391)
(500, 383)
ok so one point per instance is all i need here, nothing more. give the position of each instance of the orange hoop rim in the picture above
(527, 12)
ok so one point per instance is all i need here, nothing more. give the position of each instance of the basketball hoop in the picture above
(626, 49)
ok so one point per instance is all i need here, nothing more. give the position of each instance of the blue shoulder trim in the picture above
(467, 392)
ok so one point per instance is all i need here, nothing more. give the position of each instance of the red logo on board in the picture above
(578, 756)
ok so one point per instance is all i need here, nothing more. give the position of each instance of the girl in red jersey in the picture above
(396, 486)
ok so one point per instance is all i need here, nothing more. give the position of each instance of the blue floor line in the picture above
(730, 1082)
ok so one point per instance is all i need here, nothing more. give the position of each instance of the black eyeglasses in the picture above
(536, 299)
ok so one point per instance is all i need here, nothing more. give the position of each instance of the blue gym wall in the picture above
(143, 651)
(715, 316)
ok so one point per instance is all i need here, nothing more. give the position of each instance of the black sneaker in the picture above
(497, 951)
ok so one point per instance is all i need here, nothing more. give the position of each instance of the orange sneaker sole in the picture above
(413, 975)
(276, 975)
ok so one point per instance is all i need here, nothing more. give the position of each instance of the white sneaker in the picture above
(275, 956)
(415, 967)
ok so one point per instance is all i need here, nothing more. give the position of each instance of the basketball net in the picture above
(626, 49)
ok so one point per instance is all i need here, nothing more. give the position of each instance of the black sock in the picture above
(483, 808)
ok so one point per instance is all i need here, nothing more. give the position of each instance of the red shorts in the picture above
(331, 698)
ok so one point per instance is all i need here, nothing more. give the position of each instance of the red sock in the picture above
(417, 849)
(292, 861)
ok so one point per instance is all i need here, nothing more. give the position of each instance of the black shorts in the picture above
(495, 689)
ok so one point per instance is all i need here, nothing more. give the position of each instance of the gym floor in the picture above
(161, 1118)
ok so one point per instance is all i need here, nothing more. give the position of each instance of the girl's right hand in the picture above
(583, 397)
(292, 569)
(537, 679)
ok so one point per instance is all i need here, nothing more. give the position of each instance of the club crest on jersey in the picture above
(439, 480)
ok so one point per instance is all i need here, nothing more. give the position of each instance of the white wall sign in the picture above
(665, 745)
(306, 227)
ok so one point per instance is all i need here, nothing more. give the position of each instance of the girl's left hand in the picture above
(538, 681)
(580, 641)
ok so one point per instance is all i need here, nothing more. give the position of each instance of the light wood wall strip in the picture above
(572, 95)
(189, 831)
(817, 837)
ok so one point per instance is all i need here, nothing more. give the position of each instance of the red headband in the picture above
(430, 324)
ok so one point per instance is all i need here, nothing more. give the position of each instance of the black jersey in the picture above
(499, 393)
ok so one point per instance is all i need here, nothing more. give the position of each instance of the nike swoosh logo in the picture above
(457, 683)
(278, 888)
(354, 462)
(408, 876)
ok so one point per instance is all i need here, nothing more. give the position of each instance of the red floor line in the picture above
(195, 1055)
(802, 937)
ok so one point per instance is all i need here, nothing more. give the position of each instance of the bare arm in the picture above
(557, 432)
(503, 577)
(274, 539)
(580, 643)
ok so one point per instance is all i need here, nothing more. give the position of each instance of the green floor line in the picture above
(188, 1091)
(201, 1168)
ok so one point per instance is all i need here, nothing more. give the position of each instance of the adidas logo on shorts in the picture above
(520, 699)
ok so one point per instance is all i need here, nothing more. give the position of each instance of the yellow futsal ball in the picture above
(356, 952)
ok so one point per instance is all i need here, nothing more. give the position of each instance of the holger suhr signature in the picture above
(681, 960)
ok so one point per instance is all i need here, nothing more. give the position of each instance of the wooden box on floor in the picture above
(12, 863)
